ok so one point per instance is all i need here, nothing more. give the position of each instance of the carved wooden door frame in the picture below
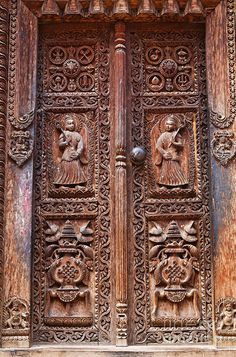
(19, 128)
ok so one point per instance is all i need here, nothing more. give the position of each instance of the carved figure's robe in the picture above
(171, 173)
(70, 171)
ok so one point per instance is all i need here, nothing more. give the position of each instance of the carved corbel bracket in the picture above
(223, 146)
(226, 317)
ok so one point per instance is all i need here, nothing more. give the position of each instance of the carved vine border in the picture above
(20, 123)
(143, 332)
(223, 144)
(3, 114)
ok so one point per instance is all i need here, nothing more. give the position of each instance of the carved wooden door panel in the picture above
(71, 268)
(171, 246)
(101, 97)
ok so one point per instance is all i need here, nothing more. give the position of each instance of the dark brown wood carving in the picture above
(171, 221)
(71, 279)
(122, 9)
(4, 14)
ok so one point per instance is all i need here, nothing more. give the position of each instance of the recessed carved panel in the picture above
(171, 221)
(70, 69)
(172, 148)
(69, 145)
(226, 317)
(170, 68)
(16, 317)
(174, 273)
(71, 268)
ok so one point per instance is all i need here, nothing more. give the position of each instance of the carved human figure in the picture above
(70, 171)
(168, 146)
(228, 317)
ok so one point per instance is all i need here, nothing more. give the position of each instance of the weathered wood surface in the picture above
(4, 30)
(18, 202)
(221, 98)
(121, 237)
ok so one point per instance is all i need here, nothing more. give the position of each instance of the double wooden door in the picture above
(122, 234)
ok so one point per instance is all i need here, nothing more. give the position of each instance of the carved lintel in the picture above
(16, 317)
(117, 8)
(223, 146)
(21, 146)
(120, 175)
(226, 317)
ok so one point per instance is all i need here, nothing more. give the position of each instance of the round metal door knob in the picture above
(138, 155)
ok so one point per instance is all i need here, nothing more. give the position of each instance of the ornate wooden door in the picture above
(121, 123)
(171, 230)
(72, 225)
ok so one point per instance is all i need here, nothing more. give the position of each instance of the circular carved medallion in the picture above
(155, 82)
(154, 55)
(183, 81)
(71, 68)
(58, 82)
(85, 82)
(85, 54)
(57, 55)
(168, 68)
(182, 55)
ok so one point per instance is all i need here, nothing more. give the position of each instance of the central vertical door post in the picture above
(120, 184)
